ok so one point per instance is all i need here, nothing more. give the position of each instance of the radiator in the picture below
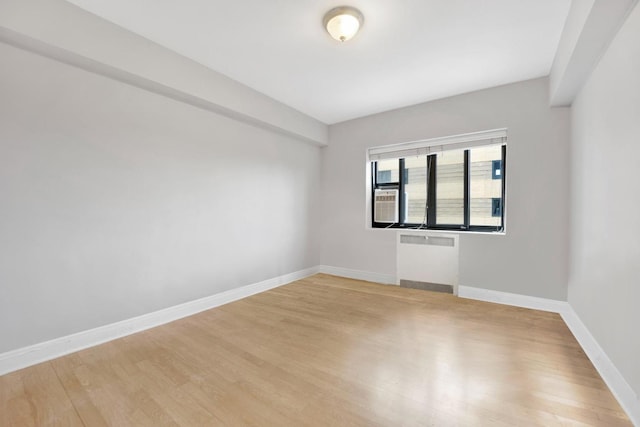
(427, 261)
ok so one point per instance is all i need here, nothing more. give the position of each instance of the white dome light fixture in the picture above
(343, 22)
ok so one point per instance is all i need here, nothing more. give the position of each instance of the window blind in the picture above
(436, 145)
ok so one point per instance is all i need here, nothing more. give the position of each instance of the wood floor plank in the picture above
(326, 351)
(35, 397)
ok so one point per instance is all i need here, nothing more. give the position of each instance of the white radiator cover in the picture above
(428, 257)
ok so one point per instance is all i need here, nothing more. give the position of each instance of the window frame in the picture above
(431, 197)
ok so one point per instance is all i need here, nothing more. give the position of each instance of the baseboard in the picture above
(42, 352)
(627, 398)
(369, 276)
(516, 300)
(612, 377)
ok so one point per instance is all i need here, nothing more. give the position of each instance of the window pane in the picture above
(415, 189)
(486, 185)
(387, 171)
(450, 187)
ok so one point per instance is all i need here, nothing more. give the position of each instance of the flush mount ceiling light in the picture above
(343, 22)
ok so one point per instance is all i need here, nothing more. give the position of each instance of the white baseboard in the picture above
(34, 354)
(42, 352)
(623, 392)
(515, 300)
(369, 276)
(627, 398)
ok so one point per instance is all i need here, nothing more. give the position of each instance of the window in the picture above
(496, 169)
(496, 207)
(387, 171)
(447, 187)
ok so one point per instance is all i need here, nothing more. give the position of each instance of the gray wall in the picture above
(115, 202)
(604, 279)
(532, 258)
(61, 30)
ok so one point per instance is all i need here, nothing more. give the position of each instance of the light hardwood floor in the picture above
(325, 351)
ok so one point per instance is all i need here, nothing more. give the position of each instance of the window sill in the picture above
(435, 231)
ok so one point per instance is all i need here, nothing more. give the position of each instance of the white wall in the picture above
(532, 258)
(604, 279)
(116, 202)
(67, 33)
(588, 31)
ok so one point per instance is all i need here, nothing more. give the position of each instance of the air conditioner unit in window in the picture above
(385, 206)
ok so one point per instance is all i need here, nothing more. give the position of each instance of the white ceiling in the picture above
(408, 51)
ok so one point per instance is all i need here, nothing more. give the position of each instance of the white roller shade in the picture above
(436, 145)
